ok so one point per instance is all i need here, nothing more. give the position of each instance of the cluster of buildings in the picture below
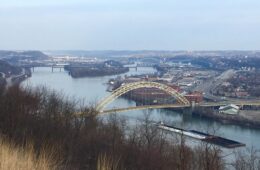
(156, 96)
(227, 90)
(185, 81)
(73, 59)
(187, 78)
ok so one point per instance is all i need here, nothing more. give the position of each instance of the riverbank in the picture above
(17, 79)
(248, 118)
(12, 75)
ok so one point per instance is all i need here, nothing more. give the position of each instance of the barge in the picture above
(205, 137)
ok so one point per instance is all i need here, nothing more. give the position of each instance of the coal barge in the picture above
(205, 137)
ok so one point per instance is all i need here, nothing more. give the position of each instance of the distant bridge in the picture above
(53, 66)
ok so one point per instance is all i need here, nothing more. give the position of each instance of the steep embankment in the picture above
(8, 69)
(84, 141)
(10, 75)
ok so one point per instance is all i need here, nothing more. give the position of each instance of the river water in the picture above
(93, 89)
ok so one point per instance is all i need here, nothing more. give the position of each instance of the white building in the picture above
(230, 109)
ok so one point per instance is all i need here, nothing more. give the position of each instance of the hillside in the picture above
(8, 69)
(18, 55)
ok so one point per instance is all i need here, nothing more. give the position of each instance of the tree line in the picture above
(80, 139)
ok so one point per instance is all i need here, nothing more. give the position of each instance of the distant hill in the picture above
(151, 53)
(18, 55)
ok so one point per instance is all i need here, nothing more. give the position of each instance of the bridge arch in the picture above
(136, 85)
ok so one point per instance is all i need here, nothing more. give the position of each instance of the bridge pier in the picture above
(193, 105)
(56, 67)
(189, 110)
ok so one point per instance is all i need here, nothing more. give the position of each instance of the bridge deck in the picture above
(144, 107)
(114, 110)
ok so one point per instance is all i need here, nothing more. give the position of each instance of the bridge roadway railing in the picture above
(211, 104)
(114, 110)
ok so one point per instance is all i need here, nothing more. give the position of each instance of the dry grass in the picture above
(15, 158)
(107, 163)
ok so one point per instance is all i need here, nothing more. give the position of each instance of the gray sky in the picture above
(130, 24)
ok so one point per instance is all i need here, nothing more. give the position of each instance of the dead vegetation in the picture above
(85, 141)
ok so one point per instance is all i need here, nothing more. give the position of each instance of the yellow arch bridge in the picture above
(182, 101)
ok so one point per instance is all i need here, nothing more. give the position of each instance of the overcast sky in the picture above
(130, 24)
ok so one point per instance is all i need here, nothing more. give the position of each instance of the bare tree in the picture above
(248, 160)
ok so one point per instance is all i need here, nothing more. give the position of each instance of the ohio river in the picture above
(93, 89)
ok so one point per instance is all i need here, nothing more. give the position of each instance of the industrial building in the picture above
(230, 109)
